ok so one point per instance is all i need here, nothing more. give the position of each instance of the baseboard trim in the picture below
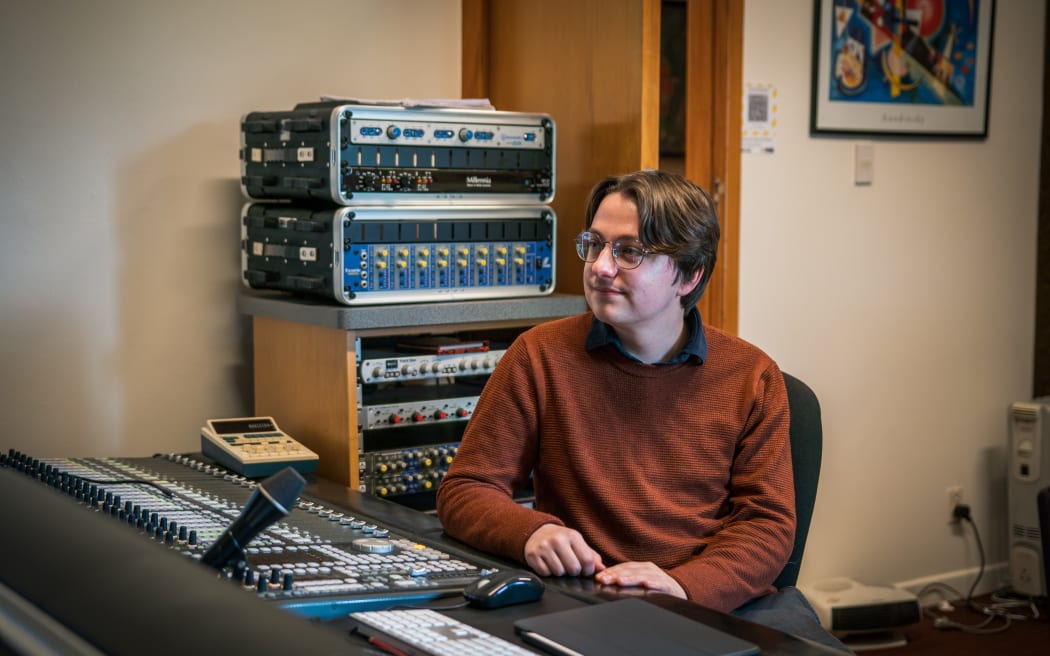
(996, 576)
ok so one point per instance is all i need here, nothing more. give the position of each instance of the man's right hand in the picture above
(554, 550)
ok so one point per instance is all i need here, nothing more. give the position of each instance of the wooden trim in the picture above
(729, 90)
(474, 82)
(650, 85)
(714, 51)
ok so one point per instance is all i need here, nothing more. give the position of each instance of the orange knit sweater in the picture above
(687, 466)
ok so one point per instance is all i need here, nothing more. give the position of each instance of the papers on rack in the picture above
(416, 103)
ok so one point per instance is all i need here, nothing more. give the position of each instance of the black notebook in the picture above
(627, 627)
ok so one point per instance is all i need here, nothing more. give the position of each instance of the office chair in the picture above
(807, 437)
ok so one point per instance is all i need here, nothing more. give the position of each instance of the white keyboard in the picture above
(429, 633)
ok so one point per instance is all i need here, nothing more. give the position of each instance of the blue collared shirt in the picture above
(602, 334)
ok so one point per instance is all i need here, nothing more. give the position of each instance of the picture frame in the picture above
(926, 73)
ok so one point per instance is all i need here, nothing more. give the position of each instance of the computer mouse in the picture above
(503, 588)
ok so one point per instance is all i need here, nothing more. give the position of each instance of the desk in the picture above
(80, 582)
(561, 594)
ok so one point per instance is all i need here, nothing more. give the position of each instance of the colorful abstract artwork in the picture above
(902, 66)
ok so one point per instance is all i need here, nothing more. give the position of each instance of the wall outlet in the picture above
(955, 497)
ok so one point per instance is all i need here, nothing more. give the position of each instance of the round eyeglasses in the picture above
(628, 253)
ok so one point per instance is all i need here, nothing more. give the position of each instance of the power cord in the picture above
(1002, 609)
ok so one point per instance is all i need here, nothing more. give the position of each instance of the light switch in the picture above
(863, 163)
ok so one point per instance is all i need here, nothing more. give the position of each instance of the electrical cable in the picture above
(998, 610)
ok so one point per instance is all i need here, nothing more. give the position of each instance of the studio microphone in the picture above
(273, 498)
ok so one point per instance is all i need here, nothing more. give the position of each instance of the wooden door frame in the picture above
(713, 121)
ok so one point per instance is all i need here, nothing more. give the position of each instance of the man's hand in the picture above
(645, 575)
(554, 550)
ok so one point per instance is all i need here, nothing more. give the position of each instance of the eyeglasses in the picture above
(628, 253)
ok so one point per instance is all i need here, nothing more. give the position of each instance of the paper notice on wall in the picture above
(758, 126)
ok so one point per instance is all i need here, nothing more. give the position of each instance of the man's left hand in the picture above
(645, 575)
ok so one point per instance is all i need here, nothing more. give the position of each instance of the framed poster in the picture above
(906, 67)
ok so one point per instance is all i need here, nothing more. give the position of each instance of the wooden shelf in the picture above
(305, 362)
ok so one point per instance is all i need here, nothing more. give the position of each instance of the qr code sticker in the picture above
(758, 108)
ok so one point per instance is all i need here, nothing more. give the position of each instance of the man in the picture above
(658, 448)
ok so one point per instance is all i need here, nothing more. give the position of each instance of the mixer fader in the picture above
(317, 561)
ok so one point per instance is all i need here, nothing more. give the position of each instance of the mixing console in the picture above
(317, 561)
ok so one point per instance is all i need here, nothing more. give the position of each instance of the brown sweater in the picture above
(687, 466)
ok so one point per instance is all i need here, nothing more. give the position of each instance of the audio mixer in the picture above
(318, 561)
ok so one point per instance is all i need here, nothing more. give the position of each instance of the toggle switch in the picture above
(863, 163)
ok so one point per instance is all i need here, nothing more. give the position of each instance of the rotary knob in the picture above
(373, 545)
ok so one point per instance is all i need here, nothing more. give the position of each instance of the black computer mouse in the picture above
(503, 588)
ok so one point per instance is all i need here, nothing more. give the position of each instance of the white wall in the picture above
(120, 201)
(907, 305)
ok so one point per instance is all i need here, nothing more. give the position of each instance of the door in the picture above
(595, 67)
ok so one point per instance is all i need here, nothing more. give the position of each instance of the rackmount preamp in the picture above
(373, 155)
(399, 255)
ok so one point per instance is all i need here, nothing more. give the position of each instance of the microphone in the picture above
(273, 498)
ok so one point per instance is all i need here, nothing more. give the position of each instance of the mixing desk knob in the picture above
(395, 419)
(462, 412)
(373, 545)
(418, 417)
(440, 414)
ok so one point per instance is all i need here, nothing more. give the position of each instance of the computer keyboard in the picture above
(426, 632)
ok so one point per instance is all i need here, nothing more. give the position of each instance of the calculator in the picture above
(254, 447)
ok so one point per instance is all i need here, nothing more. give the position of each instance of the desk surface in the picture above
(561, 593)
(69, 571)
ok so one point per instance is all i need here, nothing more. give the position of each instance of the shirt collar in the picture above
(602, 334)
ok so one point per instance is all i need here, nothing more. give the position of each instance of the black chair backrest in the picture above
(807, 437)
